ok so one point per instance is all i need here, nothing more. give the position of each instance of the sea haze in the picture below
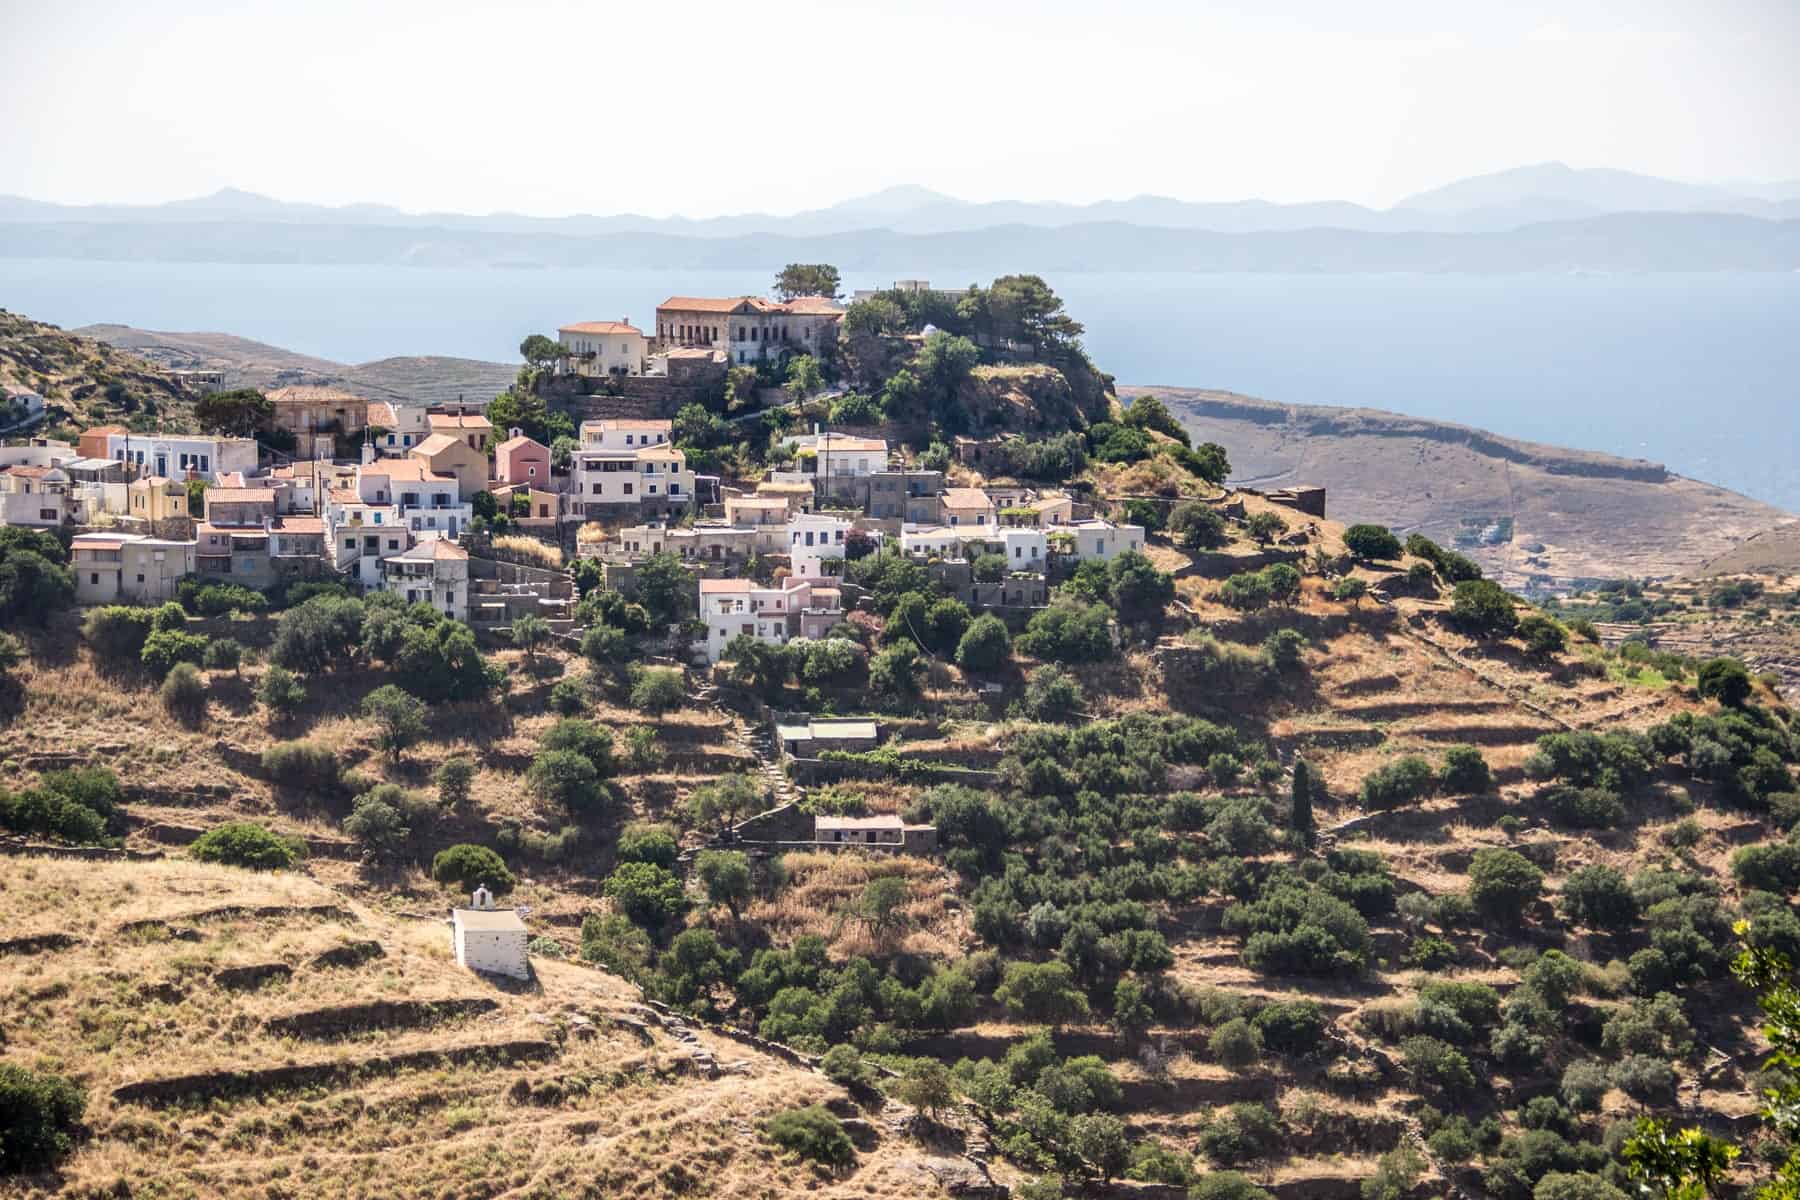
(1694, 370)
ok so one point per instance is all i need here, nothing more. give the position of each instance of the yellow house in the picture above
(155, 498)
(448, 455)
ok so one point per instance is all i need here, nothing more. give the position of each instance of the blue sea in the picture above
(1699, 371)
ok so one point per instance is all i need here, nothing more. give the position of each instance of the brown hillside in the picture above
(87, 382)
(1575, 514)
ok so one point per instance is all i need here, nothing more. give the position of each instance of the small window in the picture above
(93, 577)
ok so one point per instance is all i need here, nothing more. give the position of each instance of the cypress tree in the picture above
(1303, 812)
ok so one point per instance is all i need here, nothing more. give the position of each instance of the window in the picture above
(140, 577)
(596, 489)
(203, 463)
(93, 577)
(628, 489)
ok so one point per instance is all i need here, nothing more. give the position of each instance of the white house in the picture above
(1024, 549)
(628, 462)
(814, 539)
(182, 456)
(604, 347)
(1103, 540)
(793, 608)
(964, 506)
(489, 939)
(835, 455)
(427, 502)
(434, 572)
(399, 427)
(931, 541)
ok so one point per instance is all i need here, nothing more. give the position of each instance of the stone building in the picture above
(488, 939)
(317, 416)
(748, 329)
(114, 567)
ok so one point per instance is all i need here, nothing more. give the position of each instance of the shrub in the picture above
(725, 874)
(1482, 607)
(1284, 649)
(1042, 992)
(1052, 694)
(1395, 1174)
(455, 776)
(224, 654)
(568, 698)
(183, 692)
(894, 675)
(1265, 527)
(647, 842)
(985, 645)
(247, 844)
(843, 1064)
(1153, 1162)
(1402, 781)
(1645, 1078)
(1503, 883)
(1543, 637)
(1227, 1185)
(1770, 867)
(1434, 1064)
(378, 820)
(812, 1133)
(650, 895)
(1584, 1185)
(1196, 526)
(1069, 633)
(657, 690)
(168, 618)
(40, 1114)
(1372, 542)
(399, 718)
(281, 691)
(166, 647)
(1599, 897)
(1725, 680)
(564, 779)
(301, 765)
(1466, 772)
(1295, 1027)
(1244, 1133)
(1584, 1085)
(615, 943)
(468, 866)
(593, 742)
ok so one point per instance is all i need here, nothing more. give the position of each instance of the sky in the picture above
(697, 108)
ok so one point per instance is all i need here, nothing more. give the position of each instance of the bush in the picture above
(247, 844)
(168, 618)
(1466, 772)
(455, 776)
(1584, 1085)
(1436, 1065)
(1600, 898)
(281, 691)
(1771, 867)
(1196, 526)
(468, 866)
(39, 1116)
(657, 690)
(1236, 1045)
(1227, 1185)
(1402, 781)
(985, 645)
(1069, 633)
(593, 742)
(646, 842)
(1052, 694)
(1543, 637)
(1372, 542)
(1503, 883)
(565, 779)
(615, 943)
(301, 765)
(1725, 680)
(224, 654)
(1483, 608)
(1284, 649)
(1246, 1132)
(378, 820)
(399, 718)
(166, 647)
(183, 693)
(812, 1133)
(1584, 808)
(1645, 1078)
(568, 698)
(650, 895)
(117, 632)
(1295, 1027)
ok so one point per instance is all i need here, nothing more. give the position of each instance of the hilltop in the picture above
(423, 379)
(1768, 552)
(1551, 515)
(87, 382)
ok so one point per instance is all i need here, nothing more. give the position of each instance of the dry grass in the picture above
(541, 553)
(823, 888)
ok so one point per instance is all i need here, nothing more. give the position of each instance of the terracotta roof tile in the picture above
(601, 327)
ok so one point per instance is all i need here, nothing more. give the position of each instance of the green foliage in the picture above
(1069, 633)
(247, 844)
(236, 413)
(1372, 542)
(613, 942)
(302, 765)
(648, 894)
(166, 647)
(657, 690)
(1599, 897)
(1406, 780)
(223, 654)
(593, 742)
(1725, 680)
(1543, 637)
(1465, 772)
(40, 1115)
(665, 588)
(894, 675)
(399, 718)
(33, 580)
(469, 866)
(1052, 694)
(1196, 525)
(565, 780)
(1227, 1185)
(281, 691)
(1503, 883)
(1042, 992)
(649, 842)
(1350, 590)
(725, 874)
(316, 635)
(1293, 1027)
(378, 820)
(807, 279)
(1264, 527)
(726, 800)
(183, 692)
(117, 632)
(1482, 608)
(1244, 1133)
(1300, 809)
(812, 1133)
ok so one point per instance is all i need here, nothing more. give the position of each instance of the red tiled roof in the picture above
(108, 429)
(453, 421)
(601, 327)
(243, 495)
(809, 306)
(299, 525)
(713, 304)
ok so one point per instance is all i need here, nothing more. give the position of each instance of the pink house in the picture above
(519, 459)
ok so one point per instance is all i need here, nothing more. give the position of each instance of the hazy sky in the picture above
(701, 108)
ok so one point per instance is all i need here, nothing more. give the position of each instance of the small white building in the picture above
(813, 540)
(488, 939)
(1024, 549)
(604, 347)
(1103, 540)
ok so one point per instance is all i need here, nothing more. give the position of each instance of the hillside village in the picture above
(805, 746)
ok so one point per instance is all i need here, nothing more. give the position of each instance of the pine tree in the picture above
(1303, 810)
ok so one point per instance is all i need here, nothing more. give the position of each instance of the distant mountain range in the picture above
(1546, 217)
